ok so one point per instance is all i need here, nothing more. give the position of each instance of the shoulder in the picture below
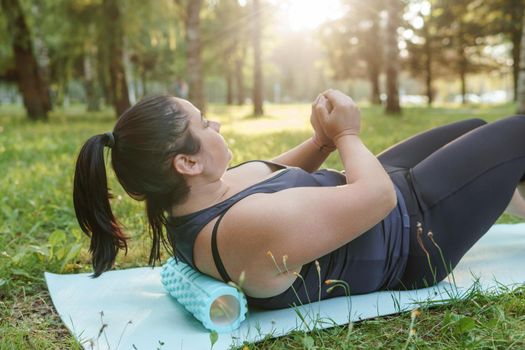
(257, 163)
(250, 170)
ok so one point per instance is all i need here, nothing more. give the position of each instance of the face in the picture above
(214, 152)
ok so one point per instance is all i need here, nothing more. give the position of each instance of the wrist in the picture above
(345, 137)
(343, 133)
(322, 146)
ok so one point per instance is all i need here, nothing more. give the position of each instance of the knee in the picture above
(518, 118)
(475, 122)
(507, 135)
(515, 122)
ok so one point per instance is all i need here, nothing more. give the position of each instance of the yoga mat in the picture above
(129, 309)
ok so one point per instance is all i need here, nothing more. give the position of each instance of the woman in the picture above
(286, 226)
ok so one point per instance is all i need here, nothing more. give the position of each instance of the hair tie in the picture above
(110, 139)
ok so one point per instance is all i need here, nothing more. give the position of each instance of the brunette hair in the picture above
(145, 140)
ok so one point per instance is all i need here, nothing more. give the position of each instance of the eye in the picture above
(206, 123)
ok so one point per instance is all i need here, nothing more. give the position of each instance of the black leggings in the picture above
(457, 180)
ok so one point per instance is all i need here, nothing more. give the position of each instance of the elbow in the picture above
(382, 197)
(392, 199)
(388, 197)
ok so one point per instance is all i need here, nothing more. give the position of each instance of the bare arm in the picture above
(306, 156)
(310, 154)
(306, 223)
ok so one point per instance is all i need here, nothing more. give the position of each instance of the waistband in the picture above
(405, 216)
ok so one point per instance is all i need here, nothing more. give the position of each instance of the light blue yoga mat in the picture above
(138, 314)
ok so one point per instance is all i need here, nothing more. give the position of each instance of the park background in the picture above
(68, 68)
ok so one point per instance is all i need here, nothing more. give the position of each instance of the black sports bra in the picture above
(184, 229)
(391, 235)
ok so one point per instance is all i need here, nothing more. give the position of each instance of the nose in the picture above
(216, 125)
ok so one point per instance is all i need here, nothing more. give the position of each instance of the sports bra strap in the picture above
(215, 252)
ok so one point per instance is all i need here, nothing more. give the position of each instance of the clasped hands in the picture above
(334, 114)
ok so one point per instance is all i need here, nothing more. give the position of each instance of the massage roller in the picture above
(217, 305)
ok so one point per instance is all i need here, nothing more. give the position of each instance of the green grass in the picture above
(39, 232)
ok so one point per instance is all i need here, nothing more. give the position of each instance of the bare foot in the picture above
(521, 190)
(517, 203)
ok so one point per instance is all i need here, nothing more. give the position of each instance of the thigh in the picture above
(463, 188)
(475, 154)
(413, 150)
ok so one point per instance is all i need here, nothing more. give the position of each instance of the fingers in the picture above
(324, 101)
(316, 101)
(322, 111)
(330, 94)
(321, 100)
(336, 97)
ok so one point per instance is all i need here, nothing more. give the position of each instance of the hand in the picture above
(344, 119)
(319, 134)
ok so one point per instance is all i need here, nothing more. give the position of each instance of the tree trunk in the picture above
(92, 99)
(41, 54)
(392, 58)
(463, 78)
(516, 37)
(428, 80)
(60, 67)
(30, 83)
(115, 41)
(257, 59)
(144, 81)
(428, 63)
(239, 81)
(521, 79)
(229, 87)
(103, 72)
(373, 52)
(463, 75)
(373, 76)
(195, 78)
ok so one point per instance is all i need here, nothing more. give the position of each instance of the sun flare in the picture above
(309, 14)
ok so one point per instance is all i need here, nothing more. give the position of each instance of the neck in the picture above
(203, 194)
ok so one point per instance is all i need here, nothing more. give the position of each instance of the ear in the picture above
(187, 165)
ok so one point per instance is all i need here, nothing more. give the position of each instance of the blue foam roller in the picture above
(217, 305)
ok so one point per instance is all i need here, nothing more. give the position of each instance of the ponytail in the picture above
(92, 208)
(144, 142)
(156, 207)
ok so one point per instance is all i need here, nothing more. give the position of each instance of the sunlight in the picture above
(302, 15)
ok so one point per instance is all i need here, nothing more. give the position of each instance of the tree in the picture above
(370, 48)
(421, 54)
(450, 42)
(392, 58)
(115, 50)
(239, 76)
(75, 50)
(33, 89)
(425, 52)
(257, 67)
(189, 11)
(463, 34)
(229, 33)
(195, 75)
(92, 100)
(353, 44)
(517, 36)
(521, 75)
(505, 17)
